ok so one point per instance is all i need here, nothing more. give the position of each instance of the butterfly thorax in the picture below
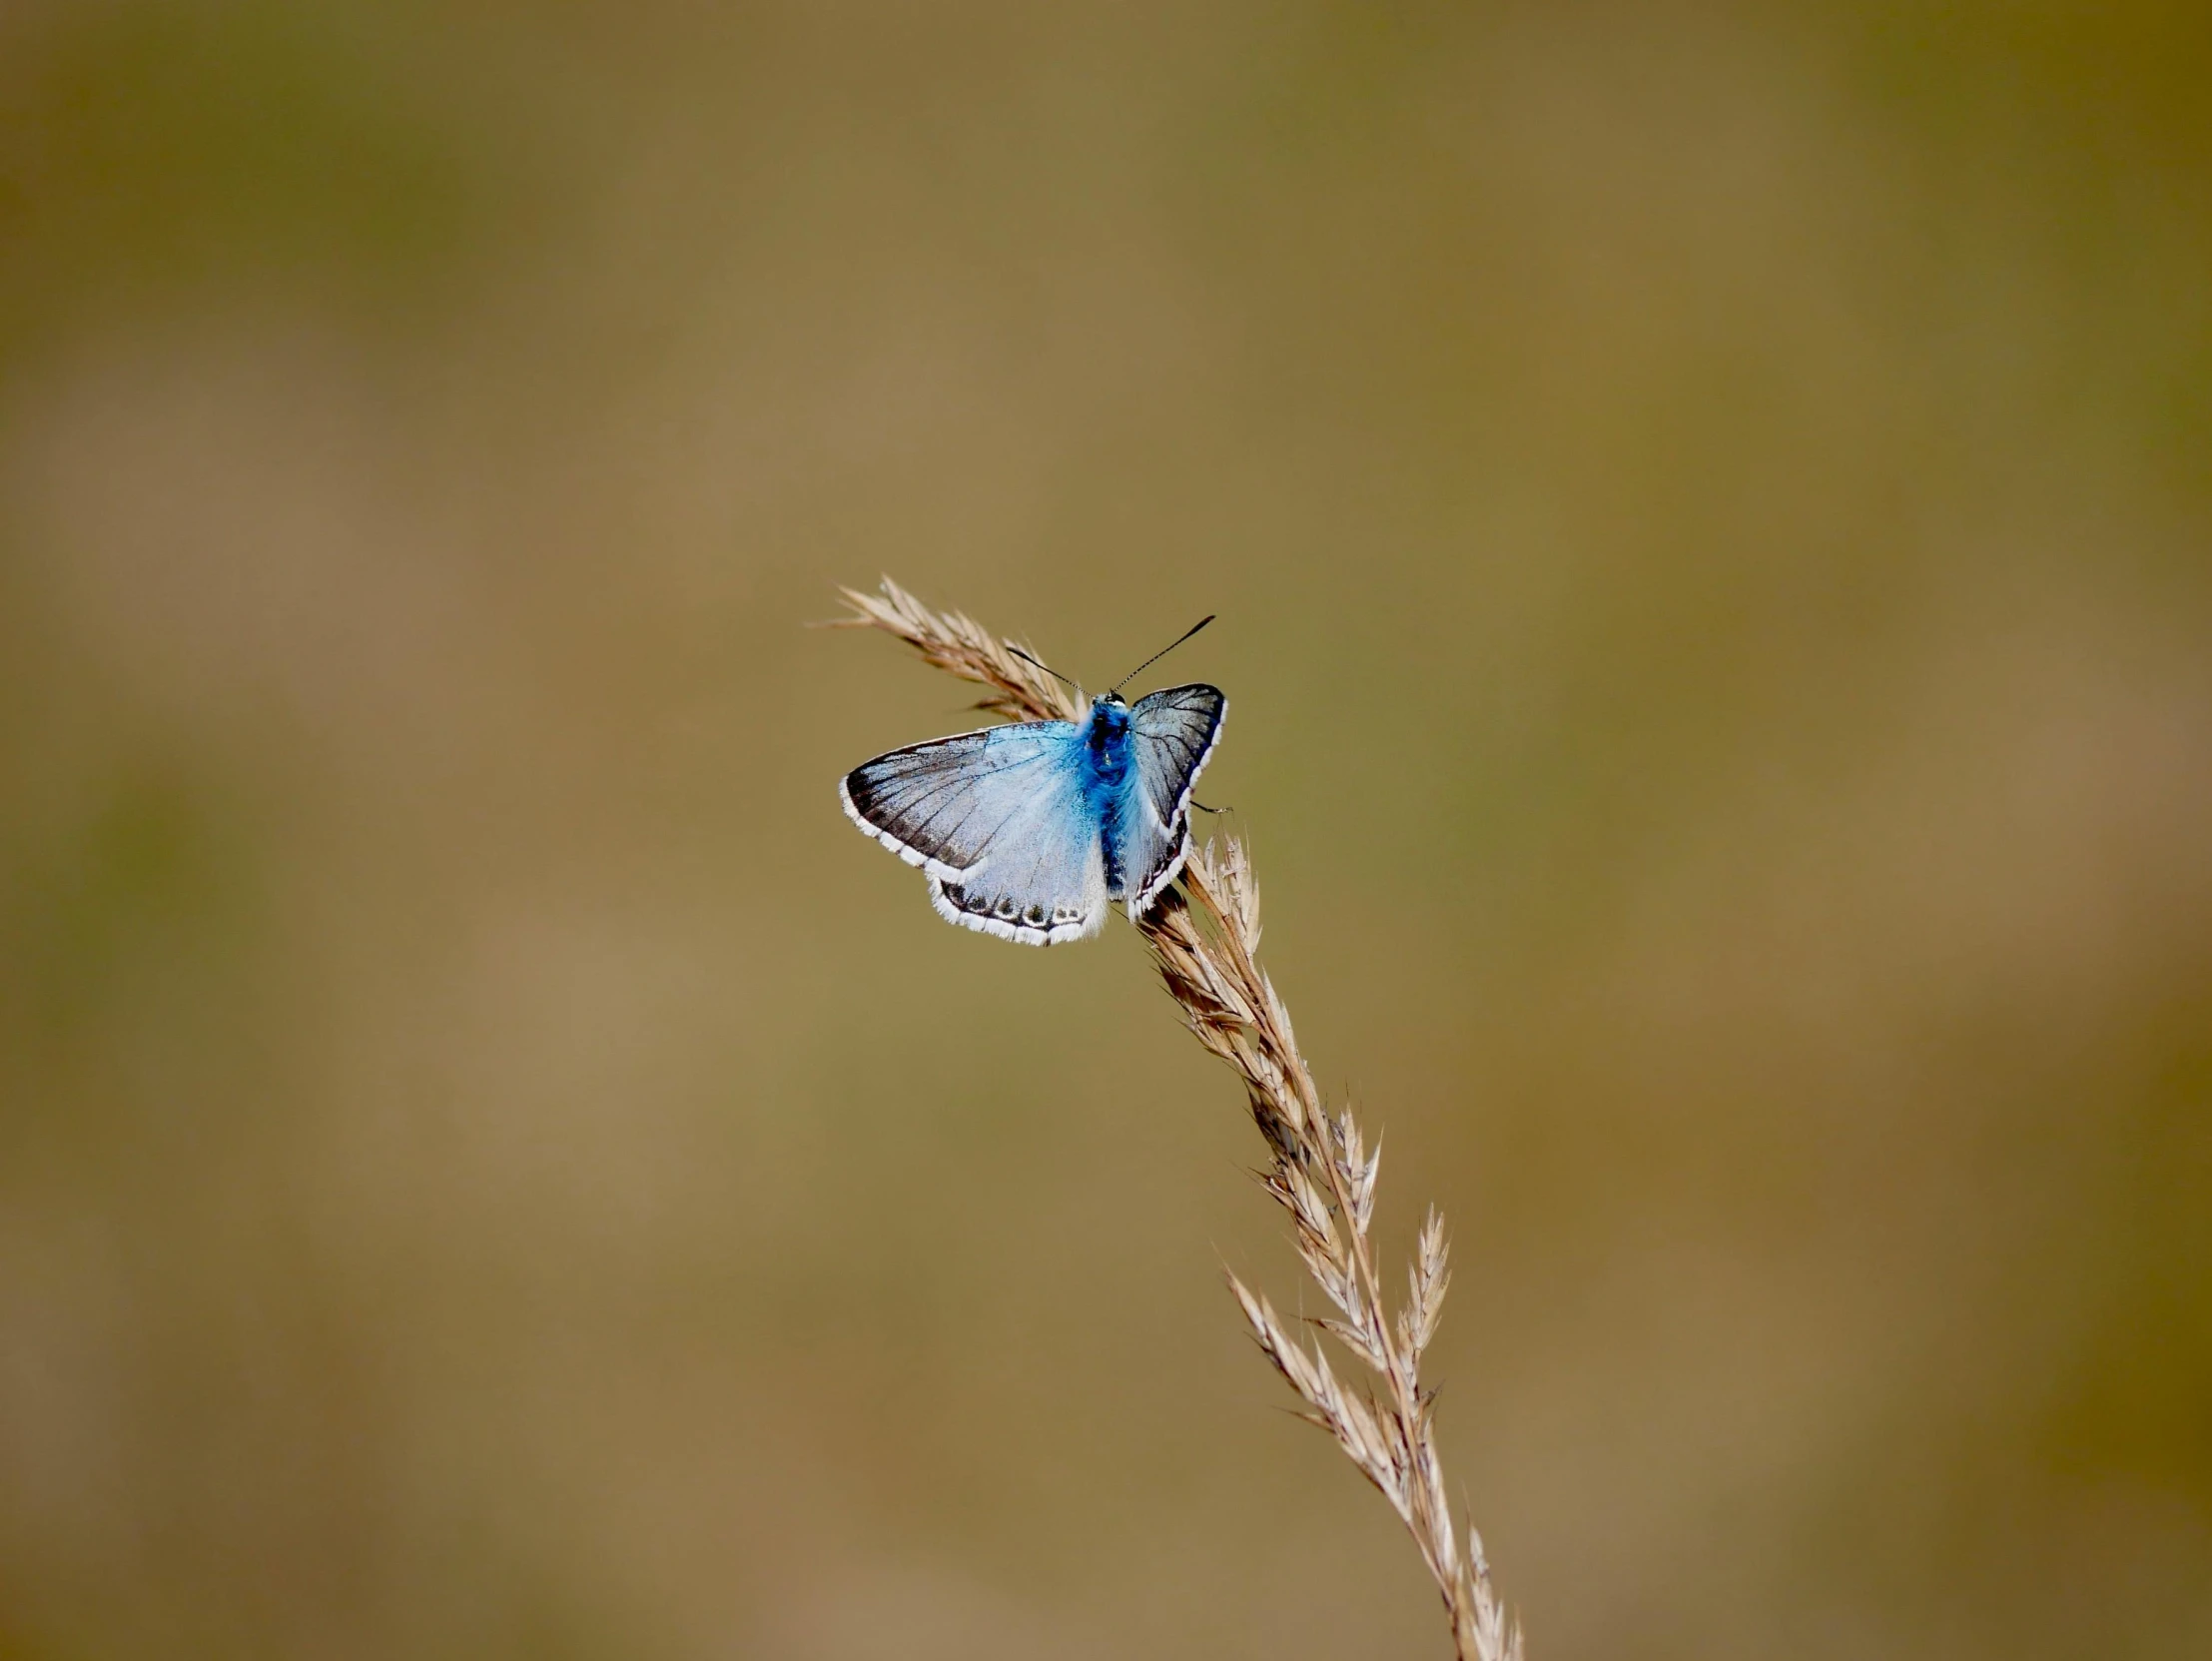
(1107, 745)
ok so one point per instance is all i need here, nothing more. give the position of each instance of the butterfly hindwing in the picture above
(1171, 732)
(1043, 878)
(1000, 821)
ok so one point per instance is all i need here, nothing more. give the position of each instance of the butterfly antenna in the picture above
(1164, 650)
(1046, 667)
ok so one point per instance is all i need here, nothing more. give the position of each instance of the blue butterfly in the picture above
(1027, 831)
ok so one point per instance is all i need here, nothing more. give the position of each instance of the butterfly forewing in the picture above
(1173, 732)
(938, 805)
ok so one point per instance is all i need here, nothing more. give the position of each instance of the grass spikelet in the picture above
(1203, 935)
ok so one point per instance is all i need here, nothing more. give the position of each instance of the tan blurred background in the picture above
(1710, 510)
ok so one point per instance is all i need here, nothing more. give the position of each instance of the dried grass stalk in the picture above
(1204, 938)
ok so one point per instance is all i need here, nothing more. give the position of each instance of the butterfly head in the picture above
(1110, 716)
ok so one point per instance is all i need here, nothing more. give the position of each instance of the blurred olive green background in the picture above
(1710, 510)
